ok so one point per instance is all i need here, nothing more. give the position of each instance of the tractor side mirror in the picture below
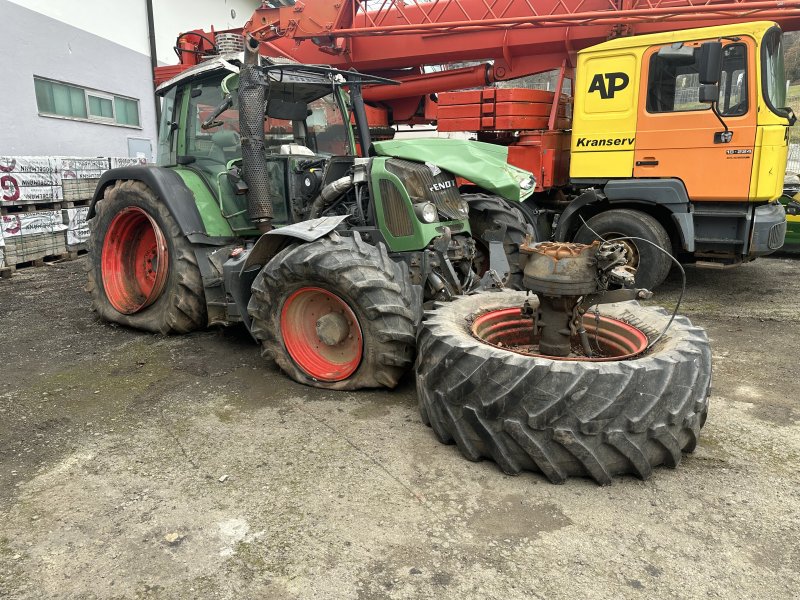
(710, 62)
(708, 93)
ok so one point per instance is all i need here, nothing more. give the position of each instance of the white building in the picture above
(78, 74)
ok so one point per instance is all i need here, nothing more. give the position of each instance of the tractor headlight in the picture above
(426, 212)
(463, 208)
(527, 184)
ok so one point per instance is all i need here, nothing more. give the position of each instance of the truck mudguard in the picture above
(669, 193)
(170, 189)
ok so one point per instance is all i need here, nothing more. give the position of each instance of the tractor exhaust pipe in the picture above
(260, 195)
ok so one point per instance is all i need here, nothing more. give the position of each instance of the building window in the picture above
(72, 102)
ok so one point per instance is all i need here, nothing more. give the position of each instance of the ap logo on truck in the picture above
(616, 82)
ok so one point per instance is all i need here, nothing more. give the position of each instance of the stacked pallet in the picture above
(44, 201)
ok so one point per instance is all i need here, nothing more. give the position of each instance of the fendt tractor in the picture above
(352, 246)
(626, 146)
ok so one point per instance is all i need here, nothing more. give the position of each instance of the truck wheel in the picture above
(562, 418)
(335, 313)
(142, 270)
(652, 266)
(487, 213)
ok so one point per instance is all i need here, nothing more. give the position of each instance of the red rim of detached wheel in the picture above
(321, 334)
(510, 330)
(134, 261)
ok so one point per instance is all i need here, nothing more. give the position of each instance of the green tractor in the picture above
(270, 206)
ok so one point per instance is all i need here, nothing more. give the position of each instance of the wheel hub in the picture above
(321, 334)
(332, 328)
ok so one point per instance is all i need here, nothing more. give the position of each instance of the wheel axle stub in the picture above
(568, 278)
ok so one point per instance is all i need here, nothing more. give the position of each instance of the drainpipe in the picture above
(151, 32)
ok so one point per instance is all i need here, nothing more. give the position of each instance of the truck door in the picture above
(676, 133)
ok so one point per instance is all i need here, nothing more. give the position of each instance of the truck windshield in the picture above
(774, 78)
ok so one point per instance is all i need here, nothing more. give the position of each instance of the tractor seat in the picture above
(225, 145)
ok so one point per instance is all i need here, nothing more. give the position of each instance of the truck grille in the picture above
(441, 189)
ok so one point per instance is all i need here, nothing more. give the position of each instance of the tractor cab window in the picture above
(321, 131)
(166, 130)
(675, 87)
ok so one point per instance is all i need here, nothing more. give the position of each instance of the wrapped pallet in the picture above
(79, 176)
(77, 228)
(33, 236)
(29, 180)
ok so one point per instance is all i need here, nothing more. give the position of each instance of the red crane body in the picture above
(397, 38)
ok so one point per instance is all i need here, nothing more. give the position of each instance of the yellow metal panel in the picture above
(769, 163)
(604, 120)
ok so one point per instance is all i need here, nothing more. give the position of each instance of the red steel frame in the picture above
(396, 38)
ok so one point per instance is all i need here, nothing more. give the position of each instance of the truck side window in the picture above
(674, 88)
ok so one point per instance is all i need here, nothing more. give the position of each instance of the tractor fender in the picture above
(269, 244)
(667, 193)
(170, 189)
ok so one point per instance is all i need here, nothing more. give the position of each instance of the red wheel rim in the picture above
(134, 261)
(321, 334)
(510, 330)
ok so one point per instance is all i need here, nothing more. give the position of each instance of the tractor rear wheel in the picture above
(336, 313)
(142, 270)
(564, 418)
(490, 212)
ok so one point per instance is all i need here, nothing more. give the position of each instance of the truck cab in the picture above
(705, 159)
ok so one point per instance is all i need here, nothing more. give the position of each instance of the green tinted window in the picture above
(59, 99)
(127, 111)
(64, 100)
(100, 107)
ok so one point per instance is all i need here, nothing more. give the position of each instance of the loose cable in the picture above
(672, 258)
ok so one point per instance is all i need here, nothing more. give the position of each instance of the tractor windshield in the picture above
(290, 126)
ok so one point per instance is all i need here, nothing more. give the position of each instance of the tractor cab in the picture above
(306, 127)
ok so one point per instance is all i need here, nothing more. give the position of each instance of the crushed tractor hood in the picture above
(485, 165)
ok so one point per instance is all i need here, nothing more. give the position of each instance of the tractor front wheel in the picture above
(336, 313)
(142, 270)
(487, 213)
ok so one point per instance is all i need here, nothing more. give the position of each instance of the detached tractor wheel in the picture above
(336, 313)
(562, 417)
(490, 212)
(652, 266)
(142, 270)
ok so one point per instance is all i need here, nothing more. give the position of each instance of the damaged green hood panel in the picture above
(485, 165)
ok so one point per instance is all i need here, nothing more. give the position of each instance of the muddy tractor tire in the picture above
(489, 212)
(652, 266)
(336, 313)
(142, 271)
(562, 418)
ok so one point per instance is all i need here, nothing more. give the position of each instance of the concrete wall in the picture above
(34, 44)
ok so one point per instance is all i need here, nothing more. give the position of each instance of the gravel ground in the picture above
(138, 466)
